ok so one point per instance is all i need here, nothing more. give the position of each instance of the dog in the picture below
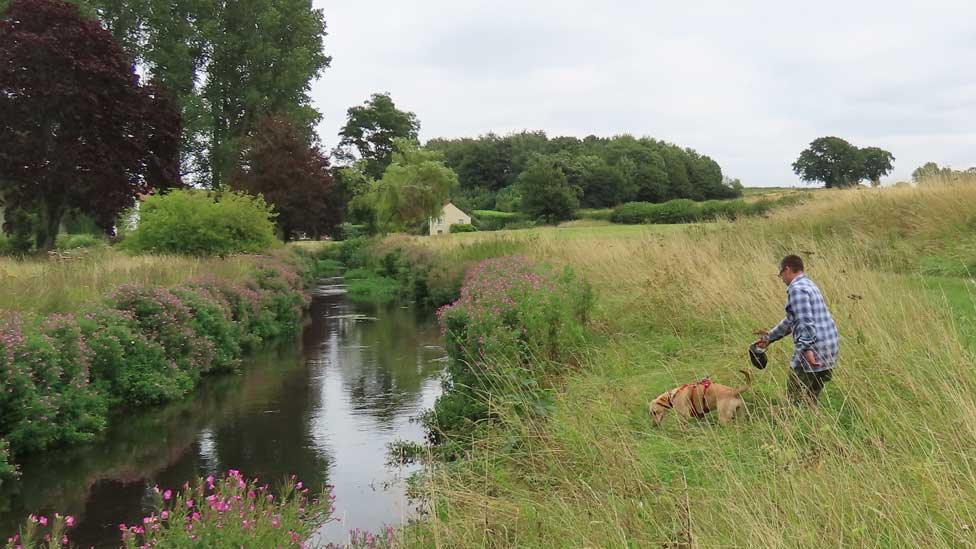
(699, 398)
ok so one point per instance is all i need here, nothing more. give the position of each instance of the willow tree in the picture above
(413, 188)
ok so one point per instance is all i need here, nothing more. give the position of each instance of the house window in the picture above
(440, 231)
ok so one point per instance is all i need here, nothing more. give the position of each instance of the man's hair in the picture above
(794, 262)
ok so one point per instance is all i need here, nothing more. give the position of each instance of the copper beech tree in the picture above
(279, 162)
(77, 128)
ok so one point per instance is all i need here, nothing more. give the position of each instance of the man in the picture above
(815, 338)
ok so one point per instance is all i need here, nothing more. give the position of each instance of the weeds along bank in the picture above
(875, 465)
(161, 325)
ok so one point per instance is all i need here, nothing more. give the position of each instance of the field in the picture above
(889, 459)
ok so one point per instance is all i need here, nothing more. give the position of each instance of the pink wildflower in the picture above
(42, 521)
(69, 521)
(167, 495)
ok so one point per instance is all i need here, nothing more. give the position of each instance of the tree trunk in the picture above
(50, 223)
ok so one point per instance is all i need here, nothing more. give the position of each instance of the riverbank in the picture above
(871, 466)
(157, 328)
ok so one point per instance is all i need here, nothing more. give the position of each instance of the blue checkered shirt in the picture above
(808, 319)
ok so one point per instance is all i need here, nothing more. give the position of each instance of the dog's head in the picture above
(660, 406)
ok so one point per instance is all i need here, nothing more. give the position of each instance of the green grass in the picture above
(888, 460)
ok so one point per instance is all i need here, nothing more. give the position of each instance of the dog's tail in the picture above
(747, 386)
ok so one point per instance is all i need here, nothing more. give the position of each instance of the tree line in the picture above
(105, 101)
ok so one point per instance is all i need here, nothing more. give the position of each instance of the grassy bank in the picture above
(109, 332)
(875, 465)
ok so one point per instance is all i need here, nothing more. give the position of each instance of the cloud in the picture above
(748, 83)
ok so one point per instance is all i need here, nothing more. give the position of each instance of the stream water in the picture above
(323, 407)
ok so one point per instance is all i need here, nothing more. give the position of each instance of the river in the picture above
(323, 408)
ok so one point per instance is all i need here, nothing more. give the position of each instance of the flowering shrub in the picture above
(363, 539)
(513, 322)
(232, 511)
(164, 318)
(60, 375)
(39, 531)
(46, 396)
(127, 366)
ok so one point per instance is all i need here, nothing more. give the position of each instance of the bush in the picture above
(514, 320)
(232, 511)
(198, 223)
(491, 220)
(46, 398)
(603, 214)
(163, 318)
(77, 241)
(463, 228)
(127, 365)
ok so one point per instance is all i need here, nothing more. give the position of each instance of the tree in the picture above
(78, 130)
(228, 64)
(546, 193)
(831, 160)
(876, 164)
(372, 128)
(293, 175)
(413, 189)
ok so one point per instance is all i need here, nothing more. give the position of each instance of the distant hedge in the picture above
(689, 211)
(463, 228)
(492, 220)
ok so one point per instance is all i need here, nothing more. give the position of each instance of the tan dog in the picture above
(699, 398)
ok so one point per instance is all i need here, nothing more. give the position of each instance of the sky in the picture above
(748, 83)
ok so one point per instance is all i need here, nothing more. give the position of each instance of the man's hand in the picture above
(811, 358)
(762, 342)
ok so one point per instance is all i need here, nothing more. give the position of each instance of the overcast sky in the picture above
(748, 83)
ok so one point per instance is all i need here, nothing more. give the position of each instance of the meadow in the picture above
(886, 460)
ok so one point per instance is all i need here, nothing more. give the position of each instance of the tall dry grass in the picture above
(889, 459)
(46, 286)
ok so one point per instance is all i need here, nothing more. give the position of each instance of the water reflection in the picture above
(323, 408)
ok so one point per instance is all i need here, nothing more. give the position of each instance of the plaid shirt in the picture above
(812, 326)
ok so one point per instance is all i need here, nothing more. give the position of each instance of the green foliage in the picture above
(227, 67)
(413, 189)
(837, 163)
(546, 192)
(490, 220)
(372, 288)
(515, 321)
(78, 241)
(930, 173)
(876, 164)
(7, 469)
(607, 171)
(463, 228)
(372, 129)
(128, 366)
(604, 214)
(687, 211)
(508, 199)
(60, 375)
(46, 397)
(199, 223)
(232, 511)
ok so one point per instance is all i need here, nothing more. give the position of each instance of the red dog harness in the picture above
(704, 384)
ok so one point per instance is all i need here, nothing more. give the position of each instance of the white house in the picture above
(450, 215)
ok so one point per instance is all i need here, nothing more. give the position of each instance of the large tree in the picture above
(77, 129)
(228, 63)
(413, 188)
(293, 175)
(546, 192)
(831, 160)
(876, 164)
(372, 128)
